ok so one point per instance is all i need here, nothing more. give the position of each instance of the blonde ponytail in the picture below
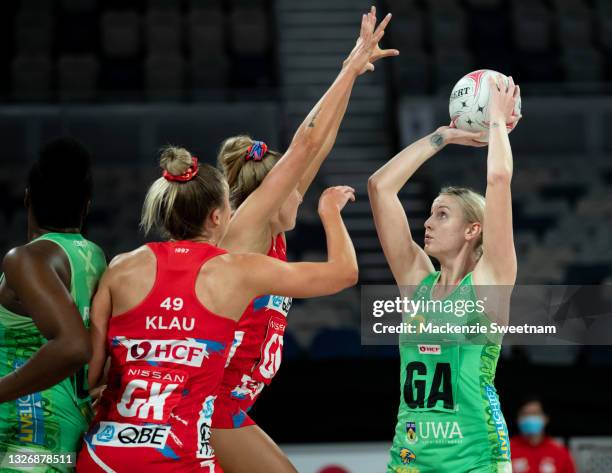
(243, 176)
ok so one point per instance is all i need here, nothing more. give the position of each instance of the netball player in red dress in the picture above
(166, 315)
(266, 190)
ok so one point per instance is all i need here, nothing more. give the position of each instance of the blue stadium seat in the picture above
(121, 37)
(164, 29)
(532, 27)
(164, 76)
(34, 31)
(32, 78)
(77, 77)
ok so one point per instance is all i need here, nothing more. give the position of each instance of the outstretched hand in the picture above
(366, 50)
(455, 136)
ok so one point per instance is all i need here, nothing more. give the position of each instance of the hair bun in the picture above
(175, 160)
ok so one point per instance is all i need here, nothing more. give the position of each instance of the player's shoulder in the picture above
(13, 258)
(228, 261)
(37, 252)
(97, 248)
(233, 265)
(131, 260)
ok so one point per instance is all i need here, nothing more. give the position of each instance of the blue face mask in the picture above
(531, 425)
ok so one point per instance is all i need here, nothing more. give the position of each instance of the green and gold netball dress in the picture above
(51, 421)
(449, 419)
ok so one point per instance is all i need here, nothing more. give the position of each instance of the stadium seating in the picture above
(213, 46)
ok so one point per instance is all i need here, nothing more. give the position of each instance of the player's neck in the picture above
(453, 270)
(210, 239)
(35, 230)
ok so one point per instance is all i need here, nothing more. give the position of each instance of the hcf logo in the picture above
(189, 351)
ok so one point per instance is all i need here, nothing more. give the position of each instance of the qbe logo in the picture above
(114, 434)
(188, 352)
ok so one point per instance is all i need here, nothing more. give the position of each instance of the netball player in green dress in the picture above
(45, 295)
(449, 418)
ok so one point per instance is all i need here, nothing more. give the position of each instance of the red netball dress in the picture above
(255, 355)
(167, 360)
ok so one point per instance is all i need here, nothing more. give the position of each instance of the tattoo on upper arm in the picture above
(436, 140)
(311, 124)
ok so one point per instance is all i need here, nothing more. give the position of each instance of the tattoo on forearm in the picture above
(494, 125)
(311, 124)
(436, 140)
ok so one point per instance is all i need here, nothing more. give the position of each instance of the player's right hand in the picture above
(335, 198)
(455, 136)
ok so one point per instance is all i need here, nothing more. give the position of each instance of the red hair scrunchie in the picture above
(188, 175)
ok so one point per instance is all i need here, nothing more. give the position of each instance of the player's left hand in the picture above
(367, 50)
(96, 394)
(502, 100)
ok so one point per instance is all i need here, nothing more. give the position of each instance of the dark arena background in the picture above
(129, 76)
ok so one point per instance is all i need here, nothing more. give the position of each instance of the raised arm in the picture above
(32, 273)
(272, 276)
(407, 260)
(231, 281)
(316, 163)
(251, 220)
(498, 262)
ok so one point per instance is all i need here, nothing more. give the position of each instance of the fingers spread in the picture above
(378, 36)
(385, 53)
(384, 23)
(363, 25)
